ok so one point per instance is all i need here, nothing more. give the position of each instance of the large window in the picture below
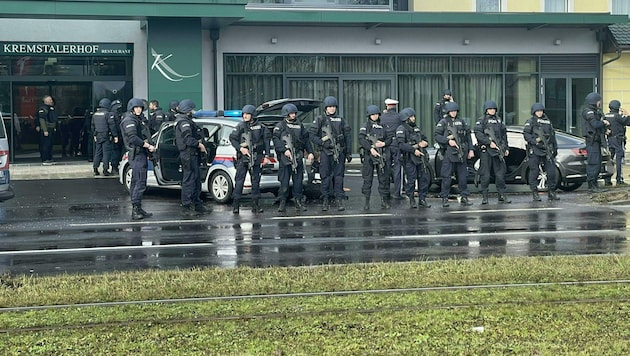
(621, 7)
(488, 5)
(556, 6)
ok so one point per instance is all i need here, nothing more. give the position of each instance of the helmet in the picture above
(614, 105)
(185, 106)
(116, 106)
(373, 109)
(105, 103)
(447, 92)
(287, 109)
(537, 107)
(406, 113)
(489, 105)
(248, 109)
(135, 102)
(172, 105)
(451, 106)
(330, 101)
(592, 98)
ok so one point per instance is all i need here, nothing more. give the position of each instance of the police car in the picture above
(218, 172)
(6, 192)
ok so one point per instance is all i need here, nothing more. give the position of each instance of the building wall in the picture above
(453, 6)
(524, 6)
(590, 6)
(616, 80)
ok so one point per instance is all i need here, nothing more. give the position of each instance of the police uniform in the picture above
(47, 122)
(253, 136)
(374, 130)
(172, 110)
(391, 121)
(455, 129)
(291, 133)
(594, 131)
(617, 137)
(491, 129)
(409, 137)
(188, 139)
(116, 155)
(332, 171)
(438, 109)
(136, 136)
(542, 147)
(104, 131)
(156, 118)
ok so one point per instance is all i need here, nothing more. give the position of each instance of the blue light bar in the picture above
(233, 113)
(217, 113)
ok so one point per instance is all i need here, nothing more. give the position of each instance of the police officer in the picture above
(46, 125)
(375, 144)
(438, 110)
(541, 147)
(491, 137)
(156, 116)
(332, 135)
(412, 143)
(189, 141)
(594, 128)
(105, 135)
(136, 136)
(290, 139)
(391, 121)
(453, 135)
(172, 110)
(618, 119)
(250, 139)
(116, 110)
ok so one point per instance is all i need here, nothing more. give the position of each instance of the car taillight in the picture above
(4, 159)
(272, 160)
(579, 151)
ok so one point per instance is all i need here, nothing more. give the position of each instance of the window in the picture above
(556, 6)
(620, 7)
(488, 5)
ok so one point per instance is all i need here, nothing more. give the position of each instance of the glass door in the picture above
(563, 99)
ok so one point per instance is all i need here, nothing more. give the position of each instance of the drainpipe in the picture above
(214, 36)
(618, 51)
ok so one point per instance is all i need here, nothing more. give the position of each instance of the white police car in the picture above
(219, 172)
(6, 192)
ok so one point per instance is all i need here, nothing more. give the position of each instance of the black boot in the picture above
(465, 202)
(144, 213)
(282, 207)
(236, 206)
(385, 203)
(503, 199)
(553, 195)
(366, 203)
(200, 209)
(412, 203)
(298, 205)
(96, 173)
(535, 196)
(135, 213)
(484, 198)
(593, 187)
(423, 204)
(256, 208)
(445, 203)
(340, 206)
(325, 204)
(188, 211)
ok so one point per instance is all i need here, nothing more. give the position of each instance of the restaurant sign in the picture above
(66, 49)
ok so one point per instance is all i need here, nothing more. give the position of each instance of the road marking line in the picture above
(499, 210)
(140, 223)
(506, 234)
(311, 217)
(105, 249)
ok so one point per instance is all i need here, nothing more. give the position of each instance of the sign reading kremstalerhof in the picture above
(65, 49)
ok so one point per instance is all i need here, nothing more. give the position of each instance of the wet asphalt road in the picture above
(83, 226)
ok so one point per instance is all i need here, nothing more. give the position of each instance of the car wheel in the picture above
(127, 178)
(221, 187)
(566, 187)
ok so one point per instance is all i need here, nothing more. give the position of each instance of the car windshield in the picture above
(3, 133)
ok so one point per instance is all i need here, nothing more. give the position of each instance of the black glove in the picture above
(349, 159)
(540, 145)
(327, 144)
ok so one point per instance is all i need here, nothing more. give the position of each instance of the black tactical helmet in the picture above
(287, 109)
(614, 105)
(172, 105)
(373, 109)
(537, 107)
(248, 109)
(330, 101)
(116, 106)
(447, 92)
(135, 102)
(185, 106)
(489, 105)
(105, 103)
(406, 113)
(593, 98)
(451, 106)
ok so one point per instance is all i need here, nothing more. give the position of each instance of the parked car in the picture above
(219, 174)
(6, 192)
(570, 162)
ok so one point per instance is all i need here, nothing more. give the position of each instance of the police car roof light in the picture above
(233, 113)
(216, 113)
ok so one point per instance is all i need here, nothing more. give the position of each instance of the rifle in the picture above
(327, 131)
(460, 152)
(380, 160)
(288, 142)
(493, 138)
(545, 141)
(422, 160)
(253, 155)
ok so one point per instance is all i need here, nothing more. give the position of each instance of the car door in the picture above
(167, 167)
(211, 137)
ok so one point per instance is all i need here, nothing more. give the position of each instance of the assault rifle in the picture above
(423, 160)
(545, 141)
(288, 142)
(380, 160)
(253, 155)
(328, 131)
(453, 133)
(493, 138)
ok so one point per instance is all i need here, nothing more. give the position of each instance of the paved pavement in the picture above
(71, 169)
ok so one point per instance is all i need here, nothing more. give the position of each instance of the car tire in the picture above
(566, 187)
(220, 187)
(127, 173)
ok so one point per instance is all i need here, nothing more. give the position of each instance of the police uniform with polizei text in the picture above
(617, 137)
(410, 137)
(446, 131)
(538, 152)
(594, 131)
(104, 131)
(332, 172)
(374, 129)
(188, 140)
(492, 159)
(294, 131)
(259, 137)
(136, 136)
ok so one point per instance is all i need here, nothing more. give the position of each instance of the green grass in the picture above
(551, 319)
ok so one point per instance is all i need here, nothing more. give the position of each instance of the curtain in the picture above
(620, 7)
(251, 89)
(421, 92)
(357, 95)
(488, 5)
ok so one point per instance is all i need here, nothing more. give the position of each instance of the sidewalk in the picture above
(29, 167)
